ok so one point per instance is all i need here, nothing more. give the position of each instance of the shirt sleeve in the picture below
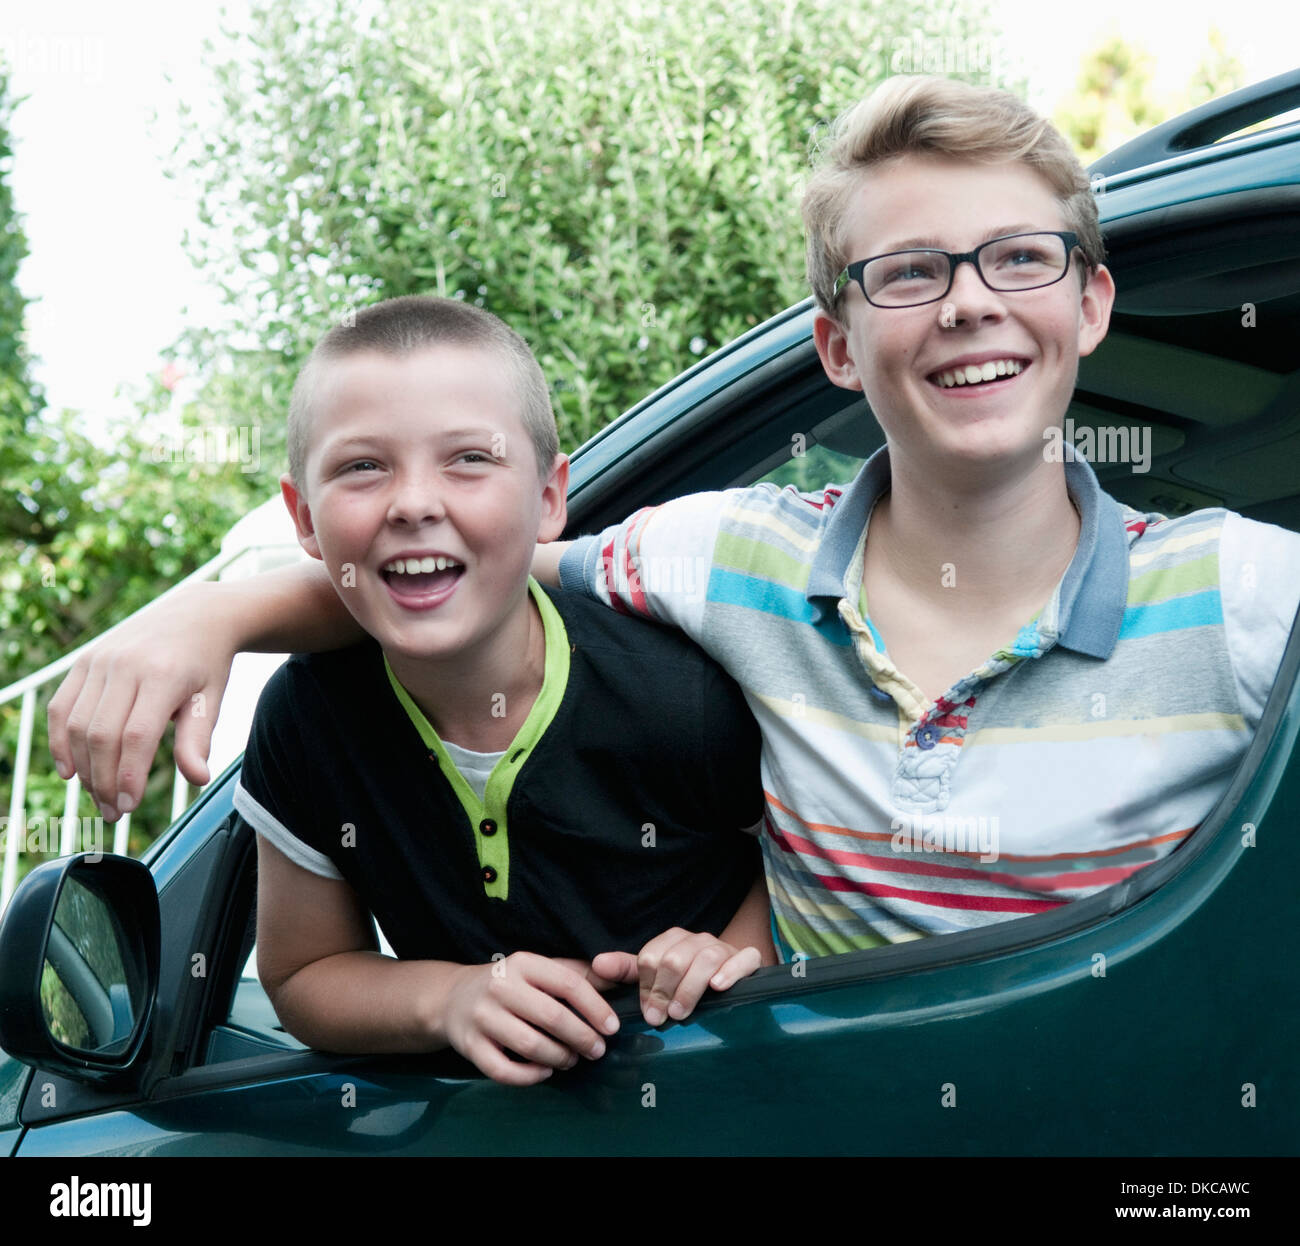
(270, 795)
(655, 564)
(1259, 585)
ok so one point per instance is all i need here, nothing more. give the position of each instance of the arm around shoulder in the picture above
(108, 715)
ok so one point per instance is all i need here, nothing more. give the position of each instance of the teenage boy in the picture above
(985, 687)
(515, 785)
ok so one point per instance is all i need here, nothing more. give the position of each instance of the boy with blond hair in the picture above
(985, 687)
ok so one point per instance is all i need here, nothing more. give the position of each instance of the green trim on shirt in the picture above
(494, 850)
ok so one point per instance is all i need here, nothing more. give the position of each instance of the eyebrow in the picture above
(467, 433)
(932, 243)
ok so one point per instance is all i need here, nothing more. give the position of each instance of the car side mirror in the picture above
(79, 958)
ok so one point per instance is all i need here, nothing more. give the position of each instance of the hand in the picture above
(109, 713)
(676, 968)
(526, 1004)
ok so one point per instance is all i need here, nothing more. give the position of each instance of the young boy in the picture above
(985, 687)
(513, 785)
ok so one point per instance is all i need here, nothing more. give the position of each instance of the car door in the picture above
(1154, 1018)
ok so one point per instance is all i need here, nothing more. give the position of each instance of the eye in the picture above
(1021, 253)
(911, 268)
(362, 465)
(476, 458)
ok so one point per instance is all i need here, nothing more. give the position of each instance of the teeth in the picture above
(420, 566)
(973, 374)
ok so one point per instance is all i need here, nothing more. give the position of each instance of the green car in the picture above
(1155, 1018)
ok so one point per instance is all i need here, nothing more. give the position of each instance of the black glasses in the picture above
(910, 278)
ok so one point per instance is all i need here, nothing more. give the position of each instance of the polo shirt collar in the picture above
(1092, 594)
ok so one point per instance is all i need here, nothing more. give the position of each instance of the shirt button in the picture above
(489, 874)
(926, 736)
(488, 827)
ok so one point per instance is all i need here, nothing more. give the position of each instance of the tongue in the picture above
(424, 581)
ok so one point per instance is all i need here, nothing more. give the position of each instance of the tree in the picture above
(620, 182)
(88, 532)
(1112, 101)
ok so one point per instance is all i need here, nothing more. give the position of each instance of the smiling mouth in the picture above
(418, 577)
(975, 374)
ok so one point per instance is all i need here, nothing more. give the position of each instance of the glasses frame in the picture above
(855, 271)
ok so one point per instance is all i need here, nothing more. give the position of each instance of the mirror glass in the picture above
(93, 985)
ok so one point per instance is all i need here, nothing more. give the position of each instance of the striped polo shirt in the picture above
(1089, 747)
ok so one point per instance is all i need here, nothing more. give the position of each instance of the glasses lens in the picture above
(908, 277)
(1023, 262)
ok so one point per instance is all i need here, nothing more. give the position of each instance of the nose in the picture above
(969, 300)
(416, 499)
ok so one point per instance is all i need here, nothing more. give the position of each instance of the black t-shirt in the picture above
(622, 820)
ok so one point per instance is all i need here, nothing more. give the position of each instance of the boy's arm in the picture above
(678, 966)
(546, 562)
(333, 990)
(108, 715)
(111, 709)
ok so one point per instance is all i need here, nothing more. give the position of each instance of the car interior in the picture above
(1201, 351)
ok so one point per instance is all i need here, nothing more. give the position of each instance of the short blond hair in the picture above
(401, 326)
(935, 116)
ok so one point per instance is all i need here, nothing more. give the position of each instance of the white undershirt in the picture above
(475, 767)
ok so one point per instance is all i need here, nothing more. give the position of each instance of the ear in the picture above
(1094, 310)
(555, 506)
(301, 514)
(832, 343)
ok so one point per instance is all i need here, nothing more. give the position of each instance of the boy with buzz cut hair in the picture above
(514, 785)
(985, 687)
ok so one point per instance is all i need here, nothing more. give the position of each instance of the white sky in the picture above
(104, 225)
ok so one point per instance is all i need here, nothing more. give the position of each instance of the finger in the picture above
(611, 968)
(193, 742)
(56, 713)
(663, 963)
(713, 965)
(194, 715)
(80, 716)
(104, 739)
(490, 1060)
(746, 961)
(533, 1045)
(581, 1024)
(141, 733)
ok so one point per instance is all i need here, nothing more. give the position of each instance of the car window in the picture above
(810, 469)
(251, 1010)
